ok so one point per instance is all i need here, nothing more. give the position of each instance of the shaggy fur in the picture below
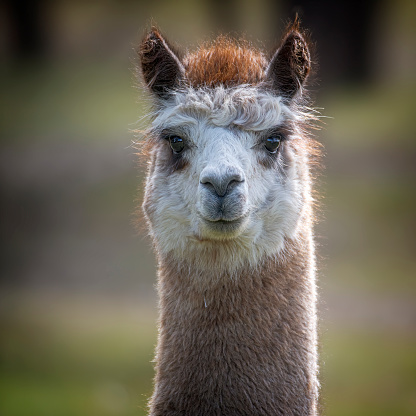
(248, 346)
(225, 63)
(232, 225)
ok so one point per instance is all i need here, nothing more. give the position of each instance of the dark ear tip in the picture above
(294, 34)
(295, 25)
(150, 40)
(152, 37)
(154, 34)
(300, 51)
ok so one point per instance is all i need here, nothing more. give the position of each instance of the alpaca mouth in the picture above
(225, 228)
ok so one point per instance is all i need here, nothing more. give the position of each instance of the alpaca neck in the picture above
(240, 346)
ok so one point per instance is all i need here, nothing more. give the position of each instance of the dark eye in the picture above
(273, 143)
(176, 143)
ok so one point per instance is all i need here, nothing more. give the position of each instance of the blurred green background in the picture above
(77, 299)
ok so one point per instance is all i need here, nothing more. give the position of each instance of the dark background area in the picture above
(77, 298)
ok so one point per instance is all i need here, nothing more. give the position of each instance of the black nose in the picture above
(221, 179)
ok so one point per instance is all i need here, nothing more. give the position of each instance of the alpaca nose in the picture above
(221, 179)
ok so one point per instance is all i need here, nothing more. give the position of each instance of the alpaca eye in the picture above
(273, 143)
(176, 143)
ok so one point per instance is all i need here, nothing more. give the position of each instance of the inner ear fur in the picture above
(161, 67)
(290, 64)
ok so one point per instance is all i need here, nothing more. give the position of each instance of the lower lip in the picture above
(224, 226)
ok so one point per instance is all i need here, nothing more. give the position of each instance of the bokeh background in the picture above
(77, 299)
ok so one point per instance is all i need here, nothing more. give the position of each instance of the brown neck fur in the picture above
(241, 346)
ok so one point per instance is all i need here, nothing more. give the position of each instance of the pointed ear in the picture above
(290, 64)
(162, 69)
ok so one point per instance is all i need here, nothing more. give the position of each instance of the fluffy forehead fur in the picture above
(225, 62)
(243, 106)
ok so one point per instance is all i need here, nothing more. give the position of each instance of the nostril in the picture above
(232, 184)
(221, 180)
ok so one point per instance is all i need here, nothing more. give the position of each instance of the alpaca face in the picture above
(225, 171)
(227, 176)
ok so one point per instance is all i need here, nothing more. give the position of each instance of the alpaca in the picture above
(229, 206)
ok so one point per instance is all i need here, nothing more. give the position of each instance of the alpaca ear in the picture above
(161, 67)
(290, 64)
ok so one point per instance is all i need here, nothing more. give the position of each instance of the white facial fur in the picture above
(223, 131)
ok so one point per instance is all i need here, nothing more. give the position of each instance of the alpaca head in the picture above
(228, 180)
